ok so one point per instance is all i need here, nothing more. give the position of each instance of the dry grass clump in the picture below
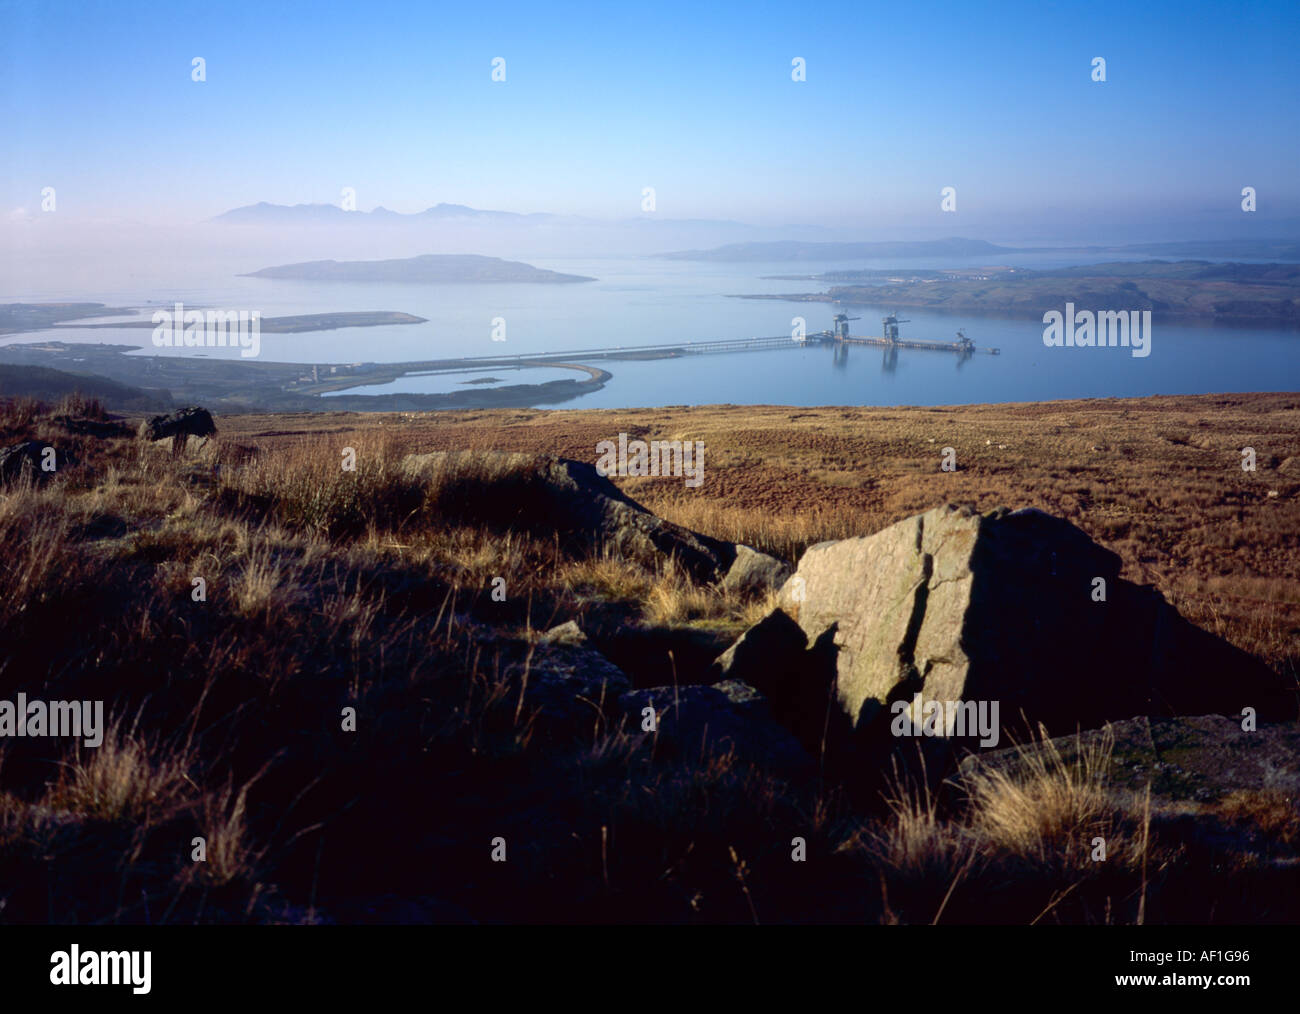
(335, 490)
(79, 406)
(1050, 807)
(20, 413)
(1023, 838)
(228, 854)
(124, 779)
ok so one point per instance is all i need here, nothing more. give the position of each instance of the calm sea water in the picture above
(645, 301)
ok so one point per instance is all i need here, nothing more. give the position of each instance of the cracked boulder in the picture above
(1014, 607)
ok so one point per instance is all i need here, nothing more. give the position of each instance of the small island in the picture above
(428, 269)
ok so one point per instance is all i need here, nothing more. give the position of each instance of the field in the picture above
(1157, 480)
(326, 589)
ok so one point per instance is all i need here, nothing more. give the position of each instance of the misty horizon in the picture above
(782, 123)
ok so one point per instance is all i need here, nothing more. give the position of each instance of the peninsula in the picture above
(1267, 293)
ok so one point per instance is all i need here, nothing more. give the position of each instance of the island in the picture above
(427, 269)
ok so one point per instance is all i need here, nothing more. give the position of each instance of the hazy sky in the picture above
(694, 99)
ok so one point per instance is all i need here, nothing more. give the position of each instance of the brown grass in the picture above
(371, 589)
(1157, 480)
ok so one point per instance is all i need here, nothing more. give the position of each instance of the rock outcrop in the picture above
(549, 494)
(1017, 607)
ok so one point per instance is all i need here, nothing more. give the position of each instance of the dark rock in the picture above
(100, 526)
(571, 688)
(773, 657)
(92, 427)
(662, 656)
(695, 722)
(22, 460)
(190, 421)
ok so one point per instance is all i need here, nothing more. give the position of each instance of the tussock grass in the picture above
(228, 854)
(124, 779)
(1052, 808)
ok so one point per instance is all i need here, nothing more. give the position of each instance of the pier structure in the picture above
(837, 337)
(890, 339)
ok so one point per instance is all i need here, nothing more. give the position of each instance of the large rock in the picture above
(550, 494)
(956, 606)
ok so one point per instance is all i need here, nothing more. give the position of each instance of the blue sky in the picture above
(693, 99)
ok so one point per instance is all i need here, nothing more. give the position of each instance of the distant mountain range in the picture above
(263, 213)
(426, 269)
(451, 228)
(457, 228)
(329, 214)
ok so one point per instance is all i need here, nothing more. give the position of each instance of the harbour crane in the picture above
(890, 326)
(841, 328)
